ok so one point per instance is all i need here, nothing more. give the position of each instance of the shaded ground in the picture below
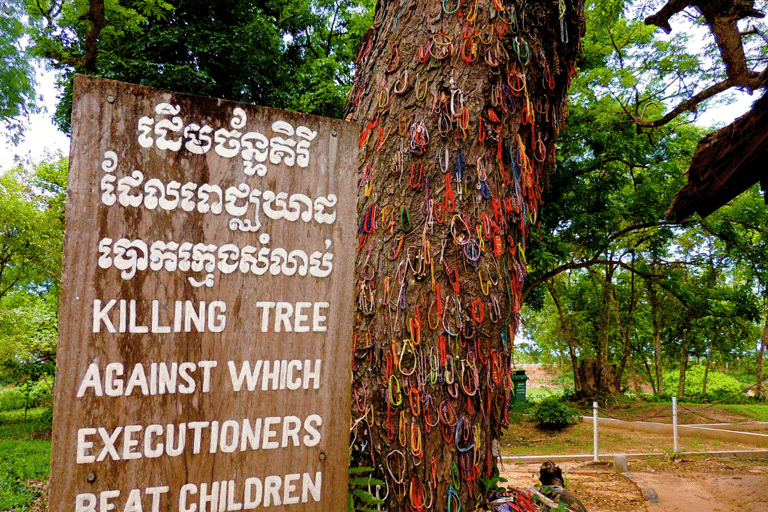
(699, 484)
(598, 489)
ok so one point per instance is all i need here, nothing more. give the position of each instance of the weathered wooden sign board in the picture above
(206, 310)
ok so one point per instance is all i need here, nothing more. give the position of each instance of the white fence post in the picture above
(674, 426)
(594, 431)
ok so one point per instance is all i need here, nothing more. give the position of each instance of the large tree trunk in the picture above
(459, 106)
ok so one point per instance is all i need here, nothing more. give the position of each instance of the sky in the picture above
(42, 134)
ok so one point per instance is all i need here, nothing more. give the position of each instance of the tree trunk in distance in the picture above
(709, 359)
(626, 332)
(684, 360)
(760, 353)
(569, 339)
(654, 300)
(459, 104)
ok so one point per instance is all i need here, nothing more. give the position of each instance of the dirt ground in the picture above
(693, 485)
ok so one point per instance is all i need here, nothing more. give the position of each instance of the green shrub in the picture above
(28, 393)
(720, 386)
(554, 414)
(12, 399)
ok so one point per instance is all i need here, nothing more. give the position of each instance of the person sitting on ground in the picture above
(551, 478)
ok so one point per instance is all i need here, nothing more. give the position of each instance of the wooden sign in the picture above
(206, 309)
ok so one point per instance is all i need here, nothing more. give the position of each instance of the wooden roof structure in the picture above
(726, 163)
(730, 160)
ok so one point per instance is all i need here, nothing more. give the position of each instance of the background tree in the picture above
(17, 75)
(31, 236)
(294, 55)
(743, 229)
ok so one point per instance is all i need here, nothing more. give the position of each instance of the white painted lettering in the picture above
(92, 379)
(318, 320)
(251, 495)
(312, 438)
(206, 366)
(212, 498)
(309, 487)
(133, 503)
(283, 313)
(266, 307)
(198, 427)
(132, 326)
(83, 446)
(184, 369)
(299, 318)
(289, 487)
(156, 492)
(109, 444)
(156, 327)
(313, 375)
(149, 451)
(268, 376)
(129, 443)
(137, 378)
(86, 502)
(101, 315)
(272, 490)
(104, 497)
(252, 377)
(185, 491)
(267, 443)
(114, 386)
(216, 319)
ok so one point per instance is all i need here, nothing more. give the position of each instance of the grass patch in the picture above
(37, 425)
(538, 394)
(25, 456)
(754, 411)
(21, 462)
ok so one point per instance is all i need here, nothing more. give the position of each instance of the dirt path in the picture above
(699, 492)
(707, 485)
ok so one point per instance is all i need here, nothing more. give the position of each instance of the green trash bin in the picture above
(518, 388)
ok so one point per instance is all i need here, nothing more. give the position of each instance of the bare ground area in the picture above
(694, 483)
(690, 485)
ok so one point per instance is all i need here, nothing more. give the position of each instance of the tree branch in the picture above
(721, 16)
(595, 259)
(98, 21)
(687, 105)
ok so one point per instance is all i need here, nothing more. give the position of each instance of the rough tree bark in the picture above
(460, 104)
